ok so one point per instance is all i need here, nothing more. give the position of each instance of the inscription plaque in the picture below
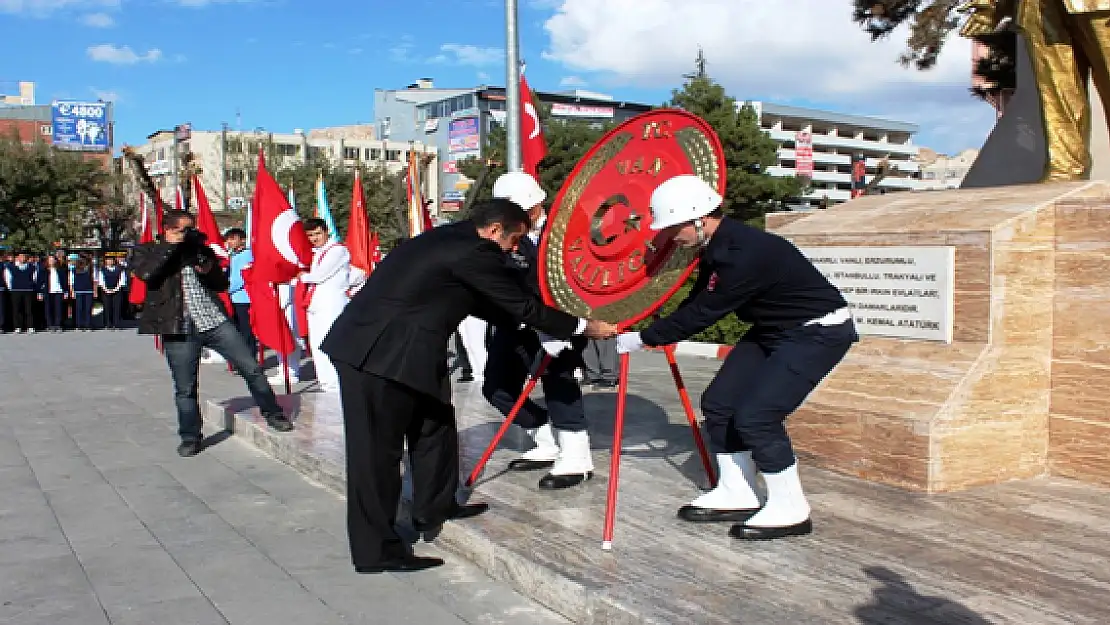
(901, 292)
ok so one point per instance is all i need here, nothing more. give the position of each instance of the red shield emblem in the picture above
(599, 258)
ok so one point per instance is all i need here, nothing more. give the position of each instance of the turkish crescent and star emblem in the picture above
(530, 111)
(599, 257)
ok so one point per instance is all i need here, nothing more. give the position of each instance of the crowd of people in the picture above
(59, 291)
(380, 343)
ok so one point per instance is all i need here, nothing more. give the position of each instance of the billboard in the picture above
(80, 125)
(803, 154)
(464, 138)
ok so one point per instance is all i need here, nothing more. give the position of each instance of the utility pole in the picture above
(512, 87)
(223, 164)
(173, 198)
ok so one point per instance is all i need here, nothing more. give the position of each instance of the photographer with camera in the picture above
(183, 277)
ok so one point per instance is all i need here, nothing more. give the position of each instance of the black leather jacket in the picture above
(159, 265)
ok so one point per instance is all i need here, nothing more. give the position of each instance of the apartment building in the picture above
(828, 142)
(228, 159)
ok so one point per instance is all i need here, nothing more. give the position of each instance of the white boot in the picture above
(541, 456)
(734, 498)
(786, 512)
(575, 463)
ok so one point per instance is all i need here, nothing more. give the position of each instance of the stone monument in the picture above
(985, 324)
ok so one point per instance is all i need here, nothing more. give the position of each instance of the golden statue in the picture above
(1069, 45)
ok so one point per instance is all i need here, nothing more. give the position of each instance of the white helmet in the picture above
(520, 188)
(681, 199)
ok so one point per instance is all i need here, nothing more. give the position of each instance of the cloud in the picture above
(204, 3)
(43, 8)
(459, 54)
(483, 77)
(98, 20)
(402, 52)
(813, 53)
(354, 51)
(572, 81)
(108, 95)
(122, 55)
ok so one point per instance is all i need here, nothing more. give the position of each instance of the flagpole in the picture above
(512, 86)
(283, 350)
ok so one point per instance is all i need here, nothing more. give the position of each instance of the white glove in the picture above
(628, 342)
(553, 346)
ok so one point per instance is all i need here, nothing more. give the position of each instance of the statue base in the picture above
(1018, 390)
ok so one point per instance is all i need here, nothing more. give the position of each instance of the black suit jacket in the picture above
(399, 324)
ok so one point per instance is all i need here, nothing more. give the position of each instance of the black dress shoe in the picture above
(400, 565)
(695, 514)
(466, 377)
(456, 513)
(188, 449)
(557, 482)
(521, 464)
(279, 423)
(746, 532)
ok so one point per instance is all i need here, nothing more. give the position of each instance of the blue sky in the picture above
(285, 64)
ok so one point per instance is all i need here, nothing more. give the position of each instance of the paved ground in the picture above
(101, 522)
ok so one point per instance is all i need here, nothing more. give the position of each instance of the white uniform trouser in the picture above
(473, 333)
(319, 324)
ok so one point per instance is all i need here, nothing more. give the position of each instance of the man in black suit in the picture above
(390, 348)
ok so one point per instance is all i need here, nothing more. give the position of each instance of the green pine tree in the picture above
(47, 196)
(383, 193)
(567, 142)
(750, 191)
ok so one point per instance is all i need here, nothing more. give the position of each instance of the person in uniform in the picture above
(390, 349)
(559, 432)
(801, 329)
(328, 280)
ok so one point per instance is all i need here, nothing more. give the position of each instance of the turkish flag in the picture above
(427, 217)
(302, 297)
(358, 230)
(136, 292)
(267, 320)
(532, 145)
(206, 224)
(376, 246)
(281, 248)
(177, 203)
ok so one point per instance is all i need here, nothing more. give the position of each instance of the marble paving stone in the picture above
(1020, 552)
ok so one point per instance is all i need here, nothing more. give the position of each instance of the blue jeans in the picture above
(83, 310)
(183, 356)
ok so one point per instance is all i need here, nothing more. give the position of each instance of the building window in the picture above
(393, 155)
(421, 114)
(375, 154)
(317, 153)
(350, 154)
(235, 175)
(287, 149)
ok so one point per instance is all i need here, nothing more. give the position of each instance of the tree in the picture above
(47, 196)
(567, 142)
(930, 24)
(750, 192)
(116, 218)
(383, 192)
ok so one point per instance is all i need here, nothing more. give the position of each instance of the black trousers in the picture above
(379, 417)
(243, 322)
(113, 308)
(55, 304)
(762, 381)
(23, 310)
(461, 359)
(511, 354)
